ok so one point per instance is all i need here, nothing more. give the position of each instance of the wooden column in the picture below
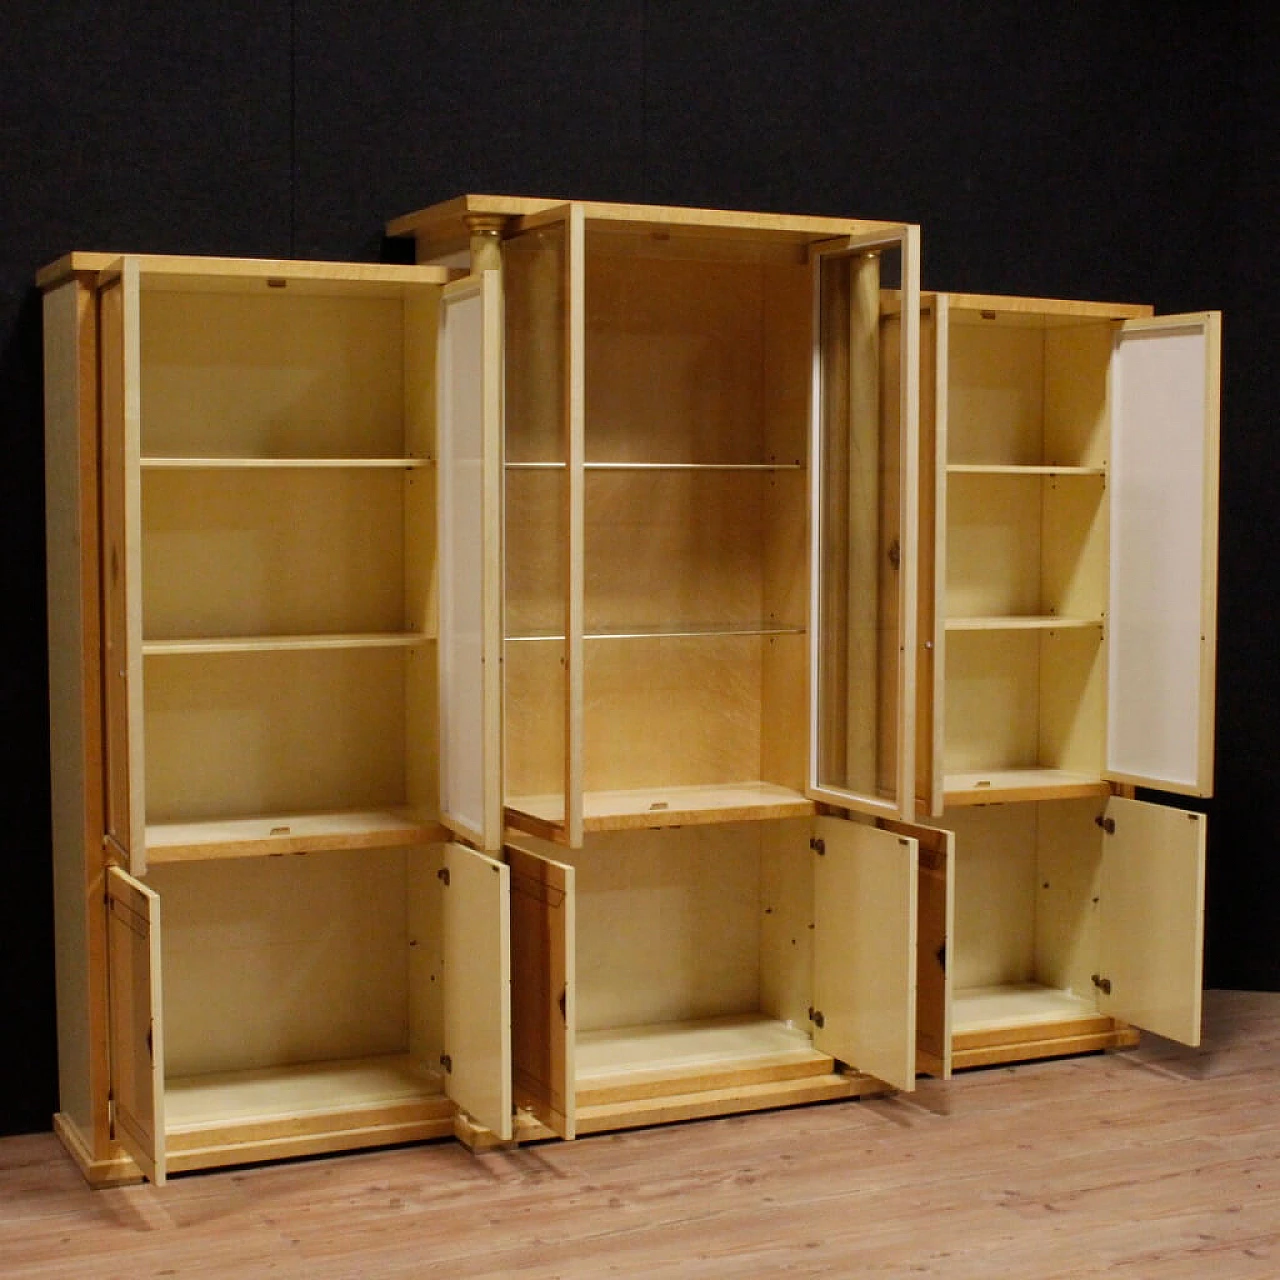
(486, 241)
(865, 534)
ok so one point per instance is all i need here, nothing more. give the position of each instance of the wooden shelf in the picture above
(661, 466)
(283, 1092)
(281, 644)
(282, 464)
(1021, 622)
(645, 1053)
(272, 834)
(1002, 785)
(279, 1112)
(673, 631)
(661, 807)
(1016, 1004)
(1000, 469)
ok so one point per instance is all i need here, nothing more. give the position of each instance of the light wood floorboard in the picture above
(1161, 1163)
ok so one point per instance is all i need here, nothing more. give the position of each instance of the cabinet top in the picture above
(443, 228)
(233, 273)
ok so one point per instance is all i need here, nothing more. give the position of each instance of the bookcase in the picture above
(1072, 452)
(638, 664)
(246, 769)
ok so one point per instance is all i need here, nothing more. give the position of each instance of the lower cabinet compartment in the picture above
(688, 967)
(302, 1005)
(1074, 918)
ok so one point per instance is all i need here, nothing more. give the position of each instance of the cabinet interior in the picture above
(694, 951)
(299, 993)
(1025, 450)
(287, 513)
(694, 497)
(1027, 885)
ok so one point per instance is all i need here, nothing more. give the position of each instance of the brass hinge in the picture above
(941, 957)
(815, 1016)
(895, 554)
(818, 845)
(564, 1003)
(1103, 984)
(443, 875)
(1107, 824)
(446, 1062)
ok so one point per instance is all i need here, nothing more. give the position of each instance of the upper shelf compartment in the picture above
(285, 365)
(1027, 392)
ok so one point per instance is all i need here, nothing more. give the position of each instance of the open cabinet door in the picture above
(543, 983)
(1163, 486)
(864, 948)
(476, 929)
(544, 278)
(137, 1040)
(120, 328)
(1152, 917)
(470, 558)
(936, 928)
(864, 487)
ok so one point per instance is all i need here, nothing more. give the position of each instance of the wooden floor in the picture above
(1156, 1163)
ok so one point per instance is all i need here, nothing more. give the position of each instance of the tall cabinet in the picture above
(256, 905)
(699, 923)
(1070, 458)
(639, 664)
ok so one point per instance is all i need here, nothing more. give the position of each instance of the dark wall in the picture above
(1087, 150)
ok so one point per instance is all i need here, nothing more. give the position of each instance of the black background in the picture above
(1095, 150)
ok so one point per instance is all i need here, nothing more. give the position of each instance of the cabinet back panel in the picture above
(534, 727)
(271, 961)
(673, 712)
(535, 302)
(1075, 394)
(1023, 699)
(265, 374)
(536, 532)
(993, 545)
(677, 547)
(240, 734)
(992, 695)
(693, 360)
(995, 894)
(674, 361)
(285, 552)
(995, 392)
(668, 924)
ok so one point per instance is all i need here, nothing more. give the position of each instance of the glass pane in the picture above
(536, 536)
(859, 508)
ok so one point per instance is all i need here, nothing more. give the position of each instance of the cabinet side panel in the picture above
(786, 921)
(425, 955)
(1068, 870)
(75, 746)
(543, 995)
